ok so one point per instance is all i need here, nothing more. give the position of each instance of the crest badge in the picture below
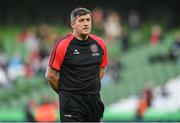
(94, 50)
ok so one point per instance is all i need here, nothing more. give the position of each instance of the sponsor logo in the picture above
(67, 115)
(76, 52)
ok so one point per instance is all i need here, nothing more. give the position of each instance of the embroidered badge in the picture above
(94, 49)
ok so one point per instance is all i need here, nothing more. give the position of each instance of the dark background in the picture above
(55, 11)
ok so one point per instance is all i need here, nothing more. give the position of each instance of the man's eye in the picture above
(81, 20)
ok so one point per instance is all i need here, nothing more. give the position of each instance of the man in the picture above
(81, 60)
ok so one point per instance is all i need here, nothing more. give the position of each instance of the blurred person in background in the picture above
(80, 59)
(134, 21)
(148, 92)
(98, 20)
(142, 106)
(29, 110)
(45, 111)
(163, 91)
(15, 67)
(144, 101)
(31, 40)
(134, 26)
(156, 34)
(4, 81)
(112, 26)
(174, 53)
(3, 78)
(125, 39)
(113, 31)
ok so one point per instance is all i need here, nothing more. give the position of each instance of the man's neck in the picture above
(80, 36)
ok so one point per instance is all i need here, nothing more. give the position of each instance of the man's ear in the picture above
(72, 24)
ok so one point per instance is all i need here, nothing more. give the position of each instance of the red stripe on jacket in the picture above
(59, 51)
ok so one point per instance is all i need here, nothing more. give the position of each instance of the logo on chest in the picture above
(94, 50)
(76, 52)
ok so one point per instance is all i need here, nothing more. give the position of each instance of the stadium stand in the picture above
(137, 71)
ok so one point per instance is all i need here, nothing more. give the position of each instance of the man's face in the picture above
(82, 24)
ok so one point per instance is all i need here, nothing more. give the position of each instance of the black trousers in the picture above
(80, 108)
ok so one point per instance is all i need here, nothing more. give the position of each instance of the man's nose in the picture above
(86, 22)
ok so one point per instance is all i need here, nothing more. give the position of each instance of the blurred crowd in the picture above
(111, 25)
(173, 54)
(119, 33)
(37, 42)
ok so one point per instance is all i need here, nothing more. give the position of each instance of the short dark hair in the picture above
(78, 12)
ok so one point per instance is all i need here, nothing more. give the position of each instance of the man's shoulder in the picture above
(97, 39)
(65, 39)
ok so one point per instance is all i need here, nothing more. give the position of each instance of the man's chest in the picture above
(81, 55)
